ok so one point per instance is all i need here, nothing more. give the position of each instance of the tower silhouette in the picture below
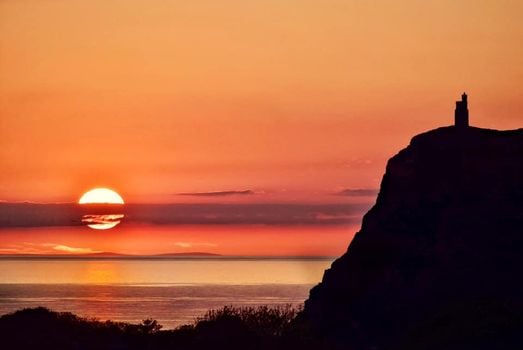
(461, 114)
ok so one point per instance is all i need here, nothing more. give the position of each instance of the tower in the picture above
(461, 114)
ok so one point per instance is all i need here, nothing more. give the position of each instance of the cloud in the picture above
(217, 193)
(194, 244)
(9, 250)
(327, 217)
(24, 248)
(42, 215)
(44, 248)
(73, 250)
(359, 192)
(247, 214)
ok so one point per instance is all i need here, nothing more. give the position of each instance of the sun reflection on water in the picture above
(97, 272)
(102, 222)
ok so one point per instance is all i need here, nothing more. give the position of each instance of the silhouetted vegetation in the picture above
(40, 328)
(229, 327)
(263, 320)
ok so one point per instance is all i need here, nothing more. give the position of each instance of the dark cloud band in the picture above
(35, 215)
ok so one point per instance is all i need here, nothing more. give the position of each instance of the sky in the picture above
(273, 101)
(291, 98)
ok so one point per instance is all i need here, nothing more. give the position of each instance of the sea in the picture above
(173, 291)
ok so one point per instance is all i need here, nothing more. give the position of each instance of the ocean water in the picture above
(172, 291)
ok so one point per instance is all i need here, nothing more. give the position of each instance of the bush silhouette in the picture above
(229, 328)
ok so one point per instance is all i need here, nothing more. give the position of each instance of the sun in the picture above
(101, 196)
(101, 221)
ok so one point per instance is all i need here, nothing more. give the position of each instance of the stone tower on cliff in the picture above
(461, 114)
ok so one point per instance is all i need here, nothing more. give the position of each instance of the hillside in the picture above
(439, 258)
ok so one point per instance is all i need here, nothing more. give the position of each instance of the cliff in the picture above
(438, 262)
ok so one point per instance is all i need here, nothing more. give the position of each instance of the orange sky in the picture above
(144, 240)
(293, 99)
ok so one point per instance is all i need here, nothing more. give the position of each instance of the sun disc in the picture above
(101, 196)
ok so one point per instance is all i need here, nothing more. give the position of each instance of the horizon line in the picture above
(162, 256)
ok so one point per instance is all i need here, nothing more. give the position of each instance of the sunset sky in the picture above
(289, 101)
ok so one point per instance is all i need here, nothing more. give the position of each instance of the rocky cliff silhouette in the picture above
(438, 262)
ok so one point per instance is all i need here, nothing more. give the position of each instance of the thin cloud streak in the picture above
(193, 244)
(74, 250)
(217, 193)
(358, 192)
(45, 248)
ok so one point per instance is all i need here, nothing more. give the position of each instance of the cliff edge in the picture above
(438, 262)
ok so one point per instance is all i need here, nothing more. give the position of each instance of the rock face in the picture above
(438, 262)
